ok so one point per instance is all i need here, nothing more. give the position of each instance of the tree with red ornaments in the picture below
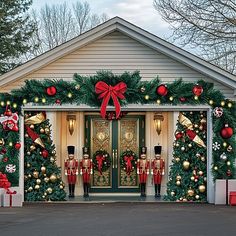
(42, 176)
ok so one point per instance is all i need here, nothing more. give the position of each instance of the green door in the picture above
(115, 137)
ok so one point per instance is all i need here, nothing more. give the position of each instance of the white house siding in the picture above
(118, 53)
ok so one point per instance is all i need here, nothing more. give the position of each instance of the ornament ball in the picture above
(202, 188)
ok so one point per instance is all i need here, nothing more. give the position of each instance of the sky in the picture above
(138, 12)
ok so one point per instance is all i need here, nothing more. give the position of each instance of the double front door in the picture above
(115, 137)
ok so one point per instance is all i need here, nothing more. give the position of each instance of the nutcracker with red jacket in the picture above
(71, 170)
(157, 170)
(86, 169)
(143, 170)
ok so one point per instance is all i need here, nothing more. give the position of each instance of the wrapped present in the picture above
(2, 191)
(12, 199)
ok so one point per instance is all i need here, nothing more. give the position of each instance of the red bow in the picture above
(128, 163)
(100, 159)
(106, 91)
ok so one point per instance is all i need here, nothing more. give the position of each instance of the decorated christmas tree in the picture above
(187, 178)
(42, 176)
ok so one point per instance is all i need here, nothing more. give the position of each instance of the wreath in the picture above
(101, 161)
(128, 161)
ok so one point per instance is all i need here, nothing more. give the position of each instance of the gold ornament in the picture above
(52, 159)
(61, 187)
(146, 97)
(8, 103)
(30, 189)
(192, 178)
(46, 179)
(14, 105)
(26, 135)
(178, 183)
(171, 98)
(29, 176)
(195, 97)
(203, 159)
(28, 165)
(10, 144)
(2, 103)
(36, 186)
(172, 193)
(200, 173)
(177, 145)
(2, 142)
(230, 105)
(53, 178)
(202, 188)
(182, 148)
(185, 200)
(178, 177)
(189, 145)
(190, 192)
(222, 103)
(43, 169)
(43, 100)
(225, 144)
(24, 101)
(181, 199)
(69, 95)
(196, 126)
(36, 174)
(186, 165)
(197, 197)
(41, 130)
(38, 181)
(47, 130)
(36, 99)
(215, 168)
(32, 126)
(28, 153)
(177, 159)
(45, 194)
(228, 163)
(32, 148)
(49, 190)
(158, 101)
(77, 86)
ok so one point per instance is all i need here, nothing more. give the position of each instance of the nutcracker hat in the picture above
(157, 150)
(143, 150)
(85, 151)
(71, 149)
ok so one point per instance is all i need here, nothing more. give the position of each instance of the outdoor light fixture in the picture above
(158, 118)
(71, 123)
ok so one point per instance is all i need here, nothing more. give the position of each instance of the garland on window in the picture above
(101, 161)
(131, 90)
(128, 161)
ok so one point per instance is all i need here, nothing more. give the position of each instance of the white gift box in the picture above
(2, 191)
(12, 200)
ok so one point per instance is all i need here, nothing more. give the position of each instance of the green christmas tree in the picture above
(42, 176)
(187, 178)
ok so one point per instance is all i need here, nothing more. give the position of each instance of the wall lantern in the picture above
(158, 118)
(71, 123)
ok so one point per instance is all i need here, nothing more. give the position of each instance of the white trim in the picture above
(131, 30)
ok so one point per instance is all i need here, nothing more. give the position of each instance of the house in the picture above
(118, 46)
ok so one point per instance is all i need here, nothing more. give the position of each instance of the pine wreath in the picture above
(128, 161)
(101, 161)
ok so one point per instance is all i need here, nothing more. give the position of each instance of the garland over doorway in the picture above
(104, 89)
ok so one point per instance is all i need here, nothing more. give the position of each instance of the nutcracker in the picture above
(157, 170)
(71, 170)
(86, 169)
(143, 170)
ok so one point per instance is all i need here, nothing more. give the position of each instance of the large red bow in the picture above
(100, 159)
(128, 163)
(106, 91)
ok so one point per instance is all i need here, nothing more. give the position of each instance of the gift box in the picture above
(232, 198)
(12, 200)
(2, 191)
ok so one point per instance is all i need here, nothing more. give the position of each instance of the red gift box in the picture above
(232, 198)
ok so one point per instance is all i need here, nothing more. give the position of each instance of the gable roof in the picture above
(132, 31)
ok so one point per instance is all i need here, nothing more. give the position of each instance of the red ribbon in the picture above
(11, 193)
(100, 158)
(106, 92)
(128, 163)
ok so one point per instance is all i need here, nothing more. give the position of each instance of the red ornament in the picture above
(162, 90)
(17, 146)
(45, 153)
(182, 99)
(197, 90)
(8, 112)
(58, 101)
(5, 159)
(51, 91)
(228, 173)
(178, 135)
(226, 132)
(106, 92)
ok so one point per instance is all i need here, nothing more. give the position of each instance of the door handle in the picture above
(113, 158)
(116, 156)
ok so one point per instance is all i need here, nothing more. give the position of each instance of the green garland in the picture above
(128, 153)
(106, 163)
(82, 91)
